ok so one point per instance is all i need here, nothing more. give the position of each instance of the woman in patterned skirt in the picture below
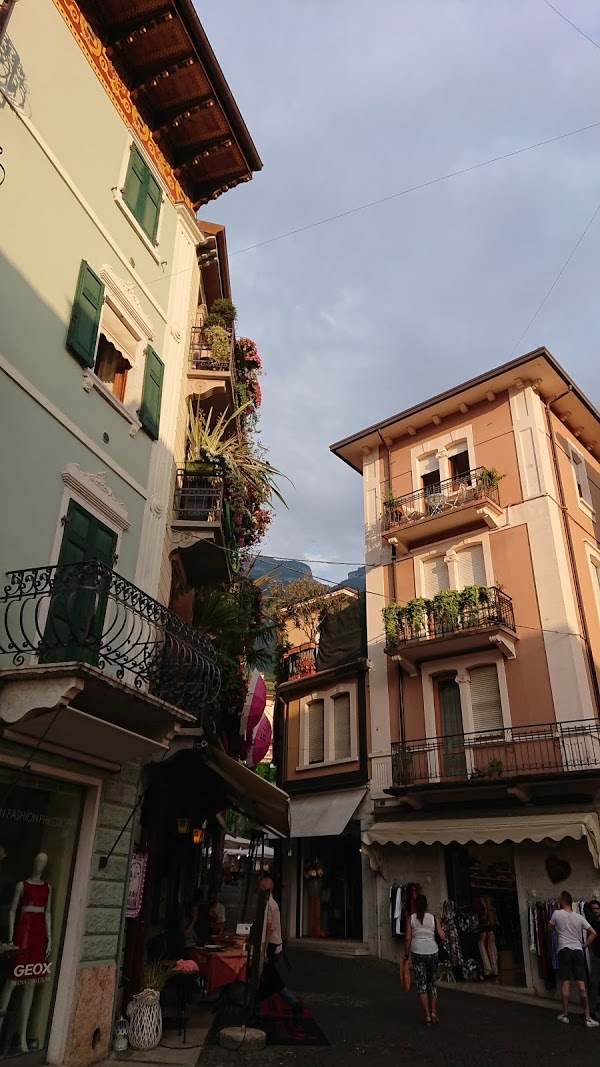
(421, 944)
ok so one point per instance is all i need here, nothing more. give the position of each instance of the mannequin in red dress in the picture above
(32, 936)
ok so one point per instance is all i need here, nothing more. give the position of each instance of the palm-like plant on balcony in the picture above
(488, 476)
(213, 442)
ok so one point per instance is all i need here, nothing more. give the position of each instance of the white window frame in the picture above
(327, 696)
(449, 552)
(577, 460)
(438, 447)
(593, 555)
(461, 666)
(118, 191)
(121, 298)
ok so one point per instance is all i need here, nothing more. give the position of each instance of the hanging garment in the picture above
(448, 922)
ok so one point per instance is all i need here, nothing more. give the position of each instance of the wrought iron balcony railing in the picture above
(201, 357)
(198, 497)
(440, 498)
(85, 613)
(492, 608)
(517, 751)
(300, 663)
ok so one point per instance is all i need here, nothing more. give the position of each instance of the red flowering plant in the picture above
(246, 353)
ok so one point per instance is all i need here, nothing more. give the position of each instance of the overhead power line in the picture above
(414, 188)
(556, 280)
(575, 27)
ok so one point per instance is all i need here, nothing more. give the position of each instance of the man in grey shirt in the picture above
(570, 928)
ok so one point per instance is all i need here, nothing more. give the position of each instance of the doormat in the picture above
(277, 1020)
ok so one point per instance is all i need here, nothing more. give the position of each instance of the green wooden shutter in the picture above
(85, 316)
(135, 181)
(149, 220)
(152, 392)
(76, 614)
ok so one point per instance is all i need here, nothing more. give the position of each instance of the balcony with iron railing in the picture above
(495, 757)
(129, 660)
(469, 499)
(202, 360)
(300, 662)
(198, 498)
(453, 622)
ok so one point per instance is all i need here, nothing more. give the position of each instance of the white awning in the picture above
(325, 815)
(119, 334)
(496, 828)
(249, 793)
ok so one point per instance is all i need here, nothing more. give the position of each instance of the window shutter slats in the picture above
(485, 698)
(316, 731)
(151, 211)
(435, 576)
(152, 393)
(133, 191)
(341, 726)
(471, 566)
(85, 316)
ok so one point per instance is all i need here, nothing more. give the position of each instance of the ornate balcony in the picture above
(300, 662)
(83, 635)
(498, 757)
(449, 625)
(470, 500)
(201, 358)
(201, 527)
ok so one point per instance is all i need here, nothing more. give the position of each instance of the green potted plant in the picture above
(220, 344)
(488, 477)
(495, 766)
(446, 607)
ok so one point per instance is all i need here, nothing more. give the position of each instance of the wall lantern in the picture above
(183, 826)
(197, 836)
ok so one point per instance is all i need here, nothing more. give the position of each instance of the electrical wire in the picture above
(392, 196)
(413, 189)
(556, 280)
(575, 27)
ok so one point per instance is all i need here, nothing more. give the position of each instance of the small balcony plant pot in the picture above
(199, 466)
(495, 768)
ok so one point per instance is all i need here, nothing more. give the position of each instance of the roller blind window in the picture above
(485, 698)
(471, 566)
(316, 731)
(341, 726)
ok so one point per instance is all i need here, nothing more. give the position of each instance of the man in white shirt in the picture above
(272, 977)
(570, 928)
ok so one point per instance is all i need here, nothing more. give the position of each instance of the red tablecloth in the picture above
(219, 969)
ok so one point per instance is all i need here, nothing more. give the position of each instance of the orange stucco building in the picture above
(483, 625)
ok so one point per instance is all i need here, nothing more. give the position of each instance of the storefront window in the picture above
(39, 822)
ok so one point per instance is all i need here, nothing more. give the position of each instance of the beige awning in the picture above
(496, 828)
(251, 794)
(119, 335)
(324, 815)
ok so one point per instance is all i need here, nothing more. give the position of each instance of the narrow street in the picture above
(360, 1006)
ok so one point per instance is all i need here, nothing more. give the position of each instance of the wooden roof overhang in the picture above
(160, 50)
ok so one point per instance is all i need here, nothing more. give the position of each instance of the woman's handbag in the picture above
(443, 956)
(405, 973)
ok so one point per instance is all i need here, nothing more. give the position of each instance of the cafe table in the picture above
(221, 966)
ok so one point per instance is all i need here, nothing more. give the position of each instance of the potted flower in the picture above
(495, 766)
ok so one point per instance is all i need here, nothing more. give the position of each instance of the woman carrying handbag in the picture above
(420, 942)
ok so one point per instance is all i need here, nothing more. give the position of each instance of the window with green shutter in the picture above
(152, 392)
(85, 316)
(142, 193)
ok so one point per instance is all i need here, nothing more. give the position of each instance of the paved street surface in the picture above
(360, 1006)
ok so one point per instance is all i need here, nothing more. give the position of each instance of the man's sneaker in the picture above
(592, 1022)
(563, 1018)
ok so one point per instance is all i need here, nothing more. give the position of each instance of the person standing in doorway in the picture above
(592, 914)
(570, 928)
(420, 942)
(272, 978)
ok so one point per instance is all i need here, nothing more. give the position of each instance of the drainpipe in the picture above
(394, 595)
(571, 550)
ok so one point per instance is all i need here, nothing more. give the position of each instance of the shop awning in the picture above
(325, 815)
(496, 828)
(250, 794)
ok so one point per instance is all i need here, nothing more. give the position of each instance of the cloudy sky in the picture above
(361, 317)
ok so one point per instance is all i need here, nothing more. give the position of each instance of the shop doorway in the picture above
(39, 831)
(332, 904)
(482, 885)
